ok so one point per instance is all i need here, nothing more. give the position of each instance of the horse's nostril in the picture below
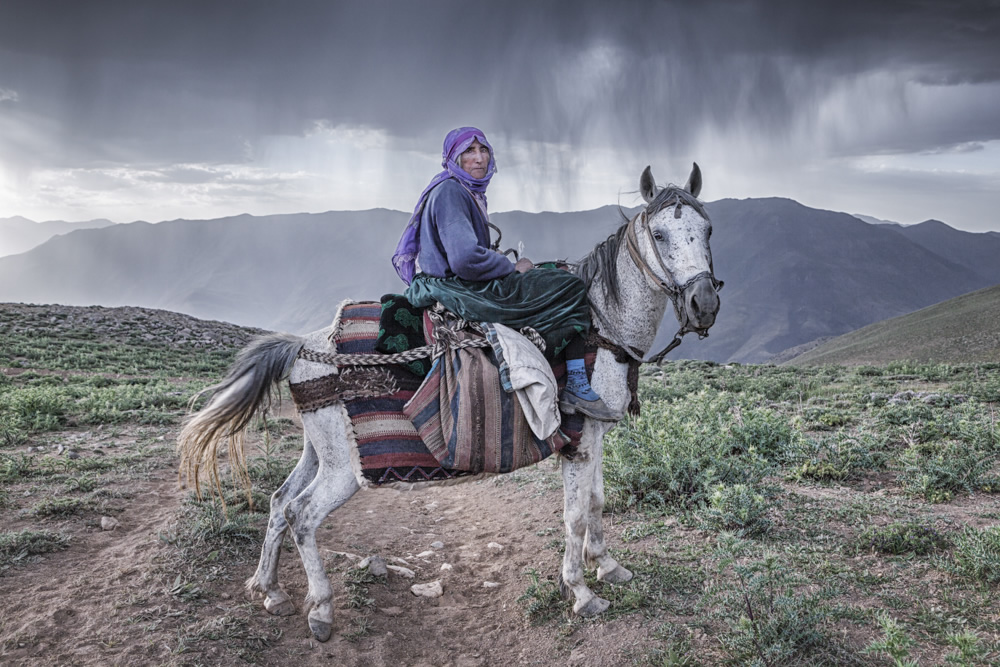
(694, 305)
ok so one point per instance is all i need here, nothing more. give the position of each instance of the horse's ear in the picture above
(647, 186)
(694, 181)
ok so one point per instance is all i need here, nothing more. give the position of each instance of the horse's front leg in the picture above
(265, 579)
(578, 477)
(595, 550)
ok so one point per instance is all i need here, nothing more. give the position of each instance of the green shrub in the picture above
(769, 619)
(977, 553)
(205, 530)
(909, 412)
(902, 538)
(17, 548)
(11, 433)
(61, 506)
(895, 643)
(949, 468)
(676, 454)
(740, 508)
(34, 408)
(541, 600)
(836, 458)
(759, 430)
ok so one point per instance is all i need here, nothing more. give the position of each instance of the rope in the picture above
(445, 330)
(431, 351)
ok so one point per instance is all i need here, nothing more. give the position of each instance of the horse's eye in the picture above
(658, 236)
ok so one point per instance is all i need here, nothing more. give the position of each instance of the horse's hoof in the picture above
(619, 575)
(564, 590)
(594, 607)
(280, 606)
(321, 629)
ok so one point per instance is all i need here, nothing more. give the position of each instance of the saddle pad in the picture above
(389, 446)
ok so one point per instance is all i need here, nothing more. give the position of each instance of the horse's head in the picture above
(675, 253)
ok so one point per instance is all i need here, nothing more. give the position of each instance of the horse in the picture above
(660, 255)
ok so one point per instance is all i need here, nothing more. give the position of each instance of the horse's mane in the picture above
(603, 259)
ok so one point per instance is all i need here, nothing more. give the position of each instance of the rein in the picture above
(668, 285)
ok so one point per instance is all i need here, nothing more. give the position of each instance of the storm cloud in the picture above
(199, 90)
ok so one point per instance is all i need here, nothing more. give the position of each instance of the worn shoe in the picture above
(570, 403)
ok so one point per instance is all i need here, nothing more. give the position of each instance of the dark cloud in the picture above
(193, 81)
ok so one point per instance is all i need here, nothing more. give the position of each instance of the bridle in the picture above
(666, 284)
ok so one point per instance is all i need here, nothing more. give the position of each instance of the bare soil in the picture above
(111, 597)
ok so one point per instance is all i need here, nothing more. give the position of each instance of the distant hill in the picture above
(875, 221)
(979, 252)
(19, 234)
(793, 274)
(963, 329)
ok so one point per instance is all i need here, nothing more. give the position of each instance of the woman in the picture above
(445, 255)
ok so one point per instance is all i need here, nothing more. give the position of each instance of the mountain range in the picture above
(793, 273)
(19, 234)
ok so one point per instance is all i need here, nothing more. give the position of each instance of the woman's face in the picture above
(475, 159)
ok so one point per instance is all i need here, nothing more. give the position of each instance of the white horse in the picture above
(661, 254)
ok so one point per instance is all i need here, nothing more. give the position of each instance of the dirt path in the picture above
(111, 597)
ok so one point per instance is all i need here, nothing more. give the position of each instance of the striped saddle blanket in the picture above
(483, 431)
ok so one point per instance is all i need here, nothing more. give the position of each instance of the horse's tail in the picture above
(244, 393)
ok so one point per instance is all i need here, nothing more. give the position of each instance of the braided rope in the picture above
(445, 330)
(383, 359)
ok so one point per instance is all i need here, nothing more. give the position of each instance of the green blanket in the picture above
(551, 301)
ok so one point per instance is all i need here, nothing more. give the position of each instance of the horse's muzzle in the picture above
(701, 303)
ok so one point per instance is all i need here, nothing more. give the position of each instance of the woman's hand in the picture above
(523, 265)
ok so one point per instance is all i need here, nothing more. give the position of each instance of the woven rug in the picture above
(389, 446)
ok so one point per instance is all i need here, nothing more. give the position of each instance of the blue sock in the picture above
(577, 382)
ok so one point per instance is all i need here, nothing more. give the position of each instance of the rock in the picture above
(445, 567)
(425, 554)
(72, 454)
(437, 545)
(490, 584)
(494, 546)
(391, 611)
(109, 523)
(402, 571)
(429, 590)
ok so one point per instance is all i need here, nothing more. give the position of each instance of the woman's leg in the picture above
(579, 396)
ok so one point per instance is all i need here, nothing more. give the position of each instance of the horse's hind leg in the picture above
(595, 550)
(333, 485)
(331, 489)
(265, 579)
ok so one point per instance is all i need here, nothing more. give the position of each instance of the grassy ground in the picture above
(810, 516)
(772, 515)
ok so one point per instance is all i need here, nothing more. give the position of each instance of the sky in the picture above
(159, 110)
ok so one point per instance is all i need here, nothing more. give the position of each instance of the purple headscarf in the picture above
(454, 145)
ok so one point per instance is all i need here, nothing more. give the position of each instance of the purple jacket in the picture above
(455, 239)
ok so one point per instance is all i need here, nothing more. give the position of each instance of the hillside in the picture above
(793, 274)
(19, 234)
(981, 251)
(961, 330)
